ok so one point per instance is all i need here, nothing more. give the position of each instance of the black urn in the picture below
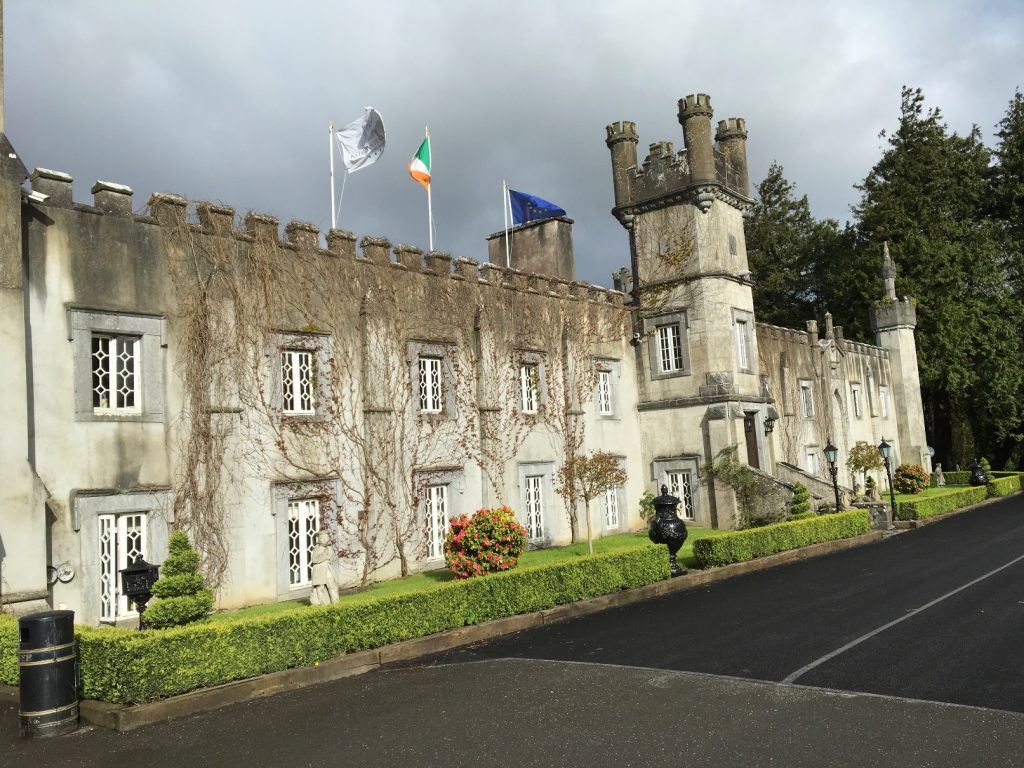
(978, 476)
(667, 528)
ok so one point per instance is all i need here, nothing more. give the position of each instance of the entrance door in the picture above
(750, 430)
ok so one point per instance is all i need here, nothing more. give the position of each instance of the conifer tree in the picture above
(927, 196)
(801, 501)
(182, 594)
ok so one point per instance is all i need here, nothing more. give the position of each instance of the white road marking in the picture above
(828, 656)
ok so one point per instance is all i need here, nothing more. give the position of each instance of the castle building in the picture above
(181, 368)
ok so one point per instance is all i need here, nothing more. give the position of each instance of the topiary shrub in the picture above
(182, 594)
(910, 478)
(491, 540)
(800, 504)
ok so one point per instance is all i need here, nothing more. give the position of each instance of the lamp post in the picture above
(886, 450)
(831, 454)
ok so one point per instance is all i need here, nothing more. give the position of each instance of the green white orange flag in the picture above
(419, 166)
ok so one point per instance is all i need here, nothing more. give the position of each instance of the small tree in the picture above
(863, 458)
(588, 477)
(801, 502)
(182, 594)
(751, 489)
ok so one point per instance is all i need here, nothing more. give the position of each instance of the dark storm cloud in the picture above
(229, 101)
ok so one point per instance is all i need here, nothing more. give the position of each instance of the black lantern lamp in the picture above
(831, 454)
(666, 528)
(978, 476)
(886, 450)
(769, 424)
(137, 582)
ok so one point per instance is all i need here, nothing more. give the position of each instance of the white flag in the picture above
(362, 140)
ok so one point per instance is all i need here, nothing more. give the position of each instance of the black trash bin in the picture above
(48, 666)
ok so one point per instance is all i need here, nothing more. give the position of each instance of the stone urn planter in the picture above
(667, 528)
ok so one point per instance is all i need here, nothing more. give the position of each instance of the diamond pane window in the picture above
(679, 485)
(430, 384)
(529, 378)
(670, 349)
(115, 373)
(604, 393)
(297, 381)
(534, 507)
(122, 541)
(437, 519)
(303, 524)
(611, 508)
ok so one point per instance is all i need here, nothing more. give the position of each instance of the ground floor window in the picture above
(611, 508)
(534, 507)
(122, 541)
(437, 519)
(303, 524)
(680, 486)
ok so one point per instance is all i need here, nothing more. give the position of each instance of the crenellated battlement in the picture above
(712, 166)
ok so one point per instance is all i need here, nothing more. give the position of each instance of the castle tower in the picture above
(893, 321)
(693, 303)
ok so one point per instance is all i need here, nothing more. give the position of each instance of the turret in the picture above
(888, 273)
(695, 116)
(732, 139)
(622, 141)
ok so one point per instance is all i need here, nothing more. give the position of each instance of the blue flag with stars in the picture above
(529, 208)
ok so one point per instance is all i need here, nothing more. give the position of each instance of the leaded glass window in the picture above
(303, 524)
(437, 519)
(611, 508)
(670, 348)
(680, 486)
(297, 382)
(529, 379)
(430, 384)
(115, 374)
(604, 393)
(534, 507)
(122, 541)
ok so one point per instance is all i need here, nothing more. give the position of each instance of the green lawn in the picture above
(534, 558)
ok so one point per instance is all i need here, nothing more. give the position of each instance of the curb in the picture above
(911, 524)
(121, 717)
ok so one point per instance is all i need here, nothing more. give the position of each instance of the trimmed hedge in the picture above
(1004, 485)
(8, 650)
(741, 546)
(953, 477)
(940, 505)
(129, 667)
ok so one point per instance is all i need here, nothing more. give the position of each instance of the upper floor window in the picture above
(297, 381)
(604, 393)
(118, 370)
(743, 322)
(670, 348)
(811, 461)
(529, 387)
(883, 401)
(807, 399)
(855, 401)
(430, 384)
(115, 374)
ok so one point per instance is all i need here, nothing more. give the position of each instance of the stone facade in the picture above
(183, 368)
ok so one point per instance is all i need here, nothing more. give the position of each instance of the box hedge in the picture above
(129, 667)
(8, 650)
(1004, 485)
(740, 546)
(930, 506)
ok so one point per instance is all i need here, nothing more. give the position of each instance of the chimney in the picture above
(537, 247)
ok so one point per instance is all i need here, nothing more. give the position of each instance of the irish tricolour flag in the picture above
(419, 166)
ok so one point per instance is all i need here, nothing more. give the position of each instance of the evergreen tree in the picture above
(784, 242)
(800, 504)
(927, 196)
(182, 594)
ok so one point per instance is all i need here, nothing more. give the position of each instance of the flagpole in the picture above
(504, 210)
(330, 147)
(430, 209)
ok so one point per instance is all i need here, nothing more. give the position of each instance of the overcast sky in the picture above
(230, 101)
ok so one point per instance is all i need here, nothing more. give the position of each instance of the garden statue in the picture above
(325, 585)
(940, 479)
(666, 528)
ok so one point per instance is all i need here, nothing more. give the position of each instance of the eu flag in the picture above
(529, 208)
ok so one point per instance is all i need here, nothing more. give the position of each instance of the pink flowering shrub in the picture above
(491, 540)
